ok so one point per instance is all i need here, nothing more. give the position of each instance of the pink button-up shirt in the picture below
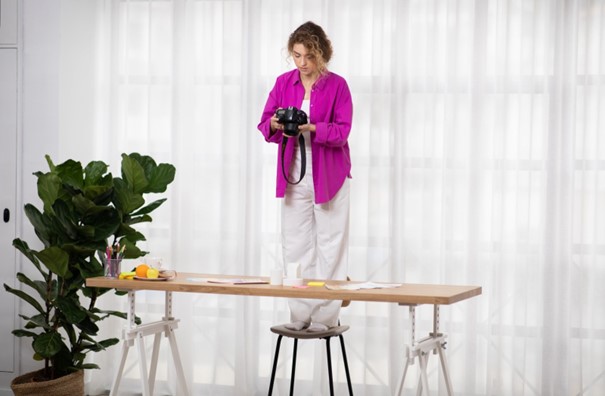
(331, 110)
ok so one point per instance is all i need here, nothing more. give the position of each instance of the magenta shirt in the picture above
(331, 110)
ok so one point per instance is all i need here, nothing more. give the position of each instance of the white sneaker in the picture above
(298, 325)
(317, 327)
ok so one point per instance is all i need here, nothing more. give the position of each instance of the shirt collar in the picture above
(319, 84)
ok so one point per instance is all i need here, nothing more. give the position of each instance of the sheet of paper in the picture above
(237, 281)
(364, 285)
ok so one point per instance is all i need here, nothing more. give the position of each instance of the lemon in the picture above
(152, 273)
(127, 275)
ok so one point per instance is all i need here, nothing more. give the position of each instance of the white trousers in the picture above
(317, 237)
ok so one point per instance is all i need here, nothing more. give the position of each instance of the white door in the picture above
(8, 188)
(8, 21)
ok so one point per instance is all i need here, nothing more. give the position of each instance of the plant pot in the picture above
(68, 385)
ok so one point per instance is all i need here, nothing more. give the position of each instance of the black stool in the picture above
(336, 331)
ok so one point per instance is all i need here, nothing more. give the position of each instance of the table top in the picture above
(407, 294)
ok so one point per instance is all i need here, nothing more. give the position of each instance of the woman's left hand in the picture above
(306, 128)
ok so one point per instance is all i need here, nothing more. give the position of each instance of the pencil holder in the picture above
(111, 267)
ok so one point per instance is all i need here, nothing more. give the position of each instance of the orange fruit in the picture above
(141, 270)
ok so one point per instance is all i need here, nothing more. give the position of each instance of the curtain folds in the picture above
(478, 158)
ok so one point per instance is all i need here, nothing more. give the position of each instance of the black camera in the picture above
(291, 118)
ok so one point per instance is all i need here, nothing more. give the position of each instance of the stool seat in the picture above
(309, 335)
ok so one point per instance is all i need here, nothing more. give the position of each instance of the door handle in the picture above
(7, 215)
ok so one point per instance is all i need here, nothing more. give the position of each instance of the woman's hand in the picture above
(306, 128)
(275, 125)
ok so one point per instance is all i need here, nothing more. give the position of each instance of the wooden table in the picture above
(410, 295)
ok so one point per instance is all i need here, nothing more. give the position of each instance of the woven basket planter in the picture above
(68, 385)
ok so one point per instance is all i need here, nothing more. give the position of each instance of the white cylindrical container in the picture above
(277, 276)
(293, 271)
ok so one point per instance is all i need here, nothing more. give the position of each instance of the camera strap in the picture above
(303, 157)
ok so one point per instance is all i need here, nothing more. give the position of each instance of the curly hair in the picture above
(315, 40)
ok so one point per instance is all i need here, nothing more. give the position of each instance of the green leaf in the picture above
(131, 251)
(65, 219)
(89, 292)
(23, 247)
(94, 173)
(49, 161)
(139, 219)
(88, 326)
(85, 232)
(108, 313)
(124, 198)
(90, 268)
(71, 333)
(99, 195)
(146, 162)
(42, 224)
(78, 359)
(95, 346)
(37, 285)
(56, 260)
(37, 321)
(82, 204)
(149, 208)
(161, 177)
(109, 342)
(24, 333)
(131, 234)
(71, 308)
(134, 174)
(74, 250)
(48, 344)
(25, 297)
(71, 173)
(64, 360)
(49, 187)
(105, 220)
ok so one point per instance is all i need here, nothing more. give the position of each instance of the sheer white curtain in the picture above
(477, 159)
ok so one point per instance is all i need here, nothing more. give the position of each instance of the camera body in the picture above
(291, 118)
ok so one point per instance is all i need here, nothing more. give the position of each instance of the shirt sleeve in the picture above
(271, 105)
(335, 132)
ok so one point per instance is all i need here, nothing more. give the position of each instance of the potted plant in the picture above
(84, 211)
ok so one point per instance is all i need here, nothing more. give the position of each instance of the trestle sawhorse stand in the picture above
(135, 334)
(421, 349)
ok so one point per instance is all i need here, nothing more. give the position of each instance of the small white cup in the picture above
(277, 276)
(293, 271)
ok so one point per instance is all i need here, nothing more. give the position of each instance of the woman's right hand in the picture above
(275, 125)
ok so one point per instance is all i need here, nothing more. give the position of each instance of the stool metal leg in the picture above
(344, 356)
(274, 365)
(329, 355)
(293, 367)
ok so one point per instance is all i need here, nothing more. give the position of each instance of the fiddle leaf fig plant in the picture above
(84, 210)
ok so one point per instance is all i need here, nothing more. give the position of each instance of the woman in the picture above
(315, 212)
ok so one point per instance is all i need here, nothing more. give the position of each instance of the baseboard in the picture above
(5, 383)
